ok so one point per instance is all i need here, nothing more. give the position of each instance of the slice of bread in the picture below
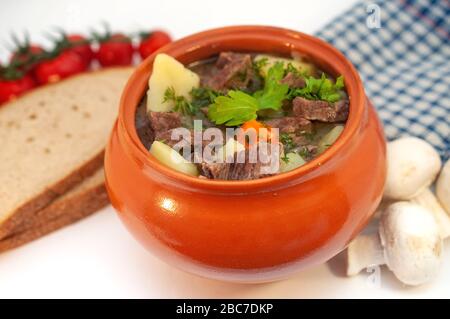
(92, 186)
(81, 201)
(53, 138)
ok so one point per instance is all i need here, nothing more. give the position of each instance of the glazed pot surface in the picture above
(249, 231)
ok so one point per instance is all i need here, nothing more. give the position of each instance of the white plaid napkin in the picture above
(405, 63)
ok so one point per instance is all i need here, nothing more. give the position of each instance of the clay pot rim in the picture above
(313, 47)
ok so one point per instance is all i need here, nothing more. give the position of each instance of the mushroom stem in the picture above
(408, 242)
(427, 200)
(443, 187)
(363, 252)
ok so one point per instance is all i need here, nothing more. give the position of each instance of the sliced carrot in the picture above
(252, 124)
(264, 135)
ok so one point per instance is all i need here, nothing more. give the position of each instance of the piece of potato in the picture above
(329, 138)
(171, 158)
(293, 161)
(308, 68)
(167, 73)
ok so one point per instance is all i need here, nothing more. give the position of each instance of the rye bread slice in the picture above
(52, 139)
(63, 204)
(81, 201)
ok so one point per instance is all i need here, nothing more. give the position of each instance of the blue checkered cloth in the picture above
(404, 64)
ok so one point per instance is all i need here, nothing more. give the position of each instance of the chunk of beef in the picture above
(161, 122)
(234, 71)
(302, 139)
(231, 171)
(294, 81)
(237, 170)
(321, 110)
(290, 124)
(226, 58)
(166, 137)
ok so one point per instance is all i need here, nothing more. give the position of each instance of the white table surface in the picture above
(97, 258)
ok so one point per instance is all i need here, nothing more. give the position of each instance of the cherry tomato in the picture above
(115, 50)
(65, 64)
(78, 44)
(10, 89)
(150, 42)
(23, 54)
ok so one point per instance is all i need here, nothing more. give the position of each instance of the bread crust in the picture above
(27, 211)
(57, 215)
(25, 214)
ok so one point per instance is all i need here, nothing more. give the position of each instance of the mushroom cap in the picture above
(443, 187)
(411, 241)
(412, 165)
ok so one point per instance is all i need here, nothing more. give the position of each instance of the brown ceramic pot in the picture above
(258, 230)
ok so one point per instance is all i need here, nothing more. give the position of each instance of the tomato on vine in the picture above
(152, 41)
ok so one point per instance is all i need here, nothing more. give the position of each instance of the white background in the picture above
(96, 257)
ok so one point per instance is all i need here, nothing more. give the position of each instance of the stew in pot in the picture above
(240, 116)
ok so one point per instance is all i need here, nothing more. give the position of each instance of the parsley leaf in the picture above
(320, 89)
(239, 107)
(232, 110)
(274, 92)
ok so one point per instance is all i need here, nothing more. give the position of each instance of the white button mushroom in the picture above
(385, 202)
(408, 242)
(427, 199)
(363, 252)
(443, 187)
(413, 165)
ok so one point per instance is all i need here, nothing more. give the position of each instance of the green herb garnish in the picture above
(259, 64)
(304, 152)
(274, 92)
(239, 107)
(203, 96)
(234, 109)
(292, 69)
(320, 89)
(285, 158)
(287, 142)
(181, 104)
